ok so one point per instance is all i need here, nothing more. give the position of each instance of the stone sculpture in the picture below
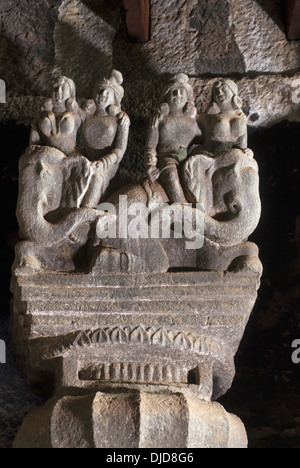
(61, 184)
(172, 133)
(221, 187)
(105, 134)
(118, 320)
(58, 123)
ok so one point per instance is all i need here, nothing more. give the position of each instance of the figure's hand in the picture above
(153, 173)
(151, 158)
(48, 105)
(96, 165)
(160, 115)
(248, 152)
(89, 108)
(124, 120)
(72, 106)
(156, 120)
(242, 115)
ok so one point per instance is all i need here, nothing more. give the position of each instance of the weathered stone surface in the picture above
(86, 38)
(177, 329)
(44, 173)
(83, 38)
(122, 329)
(210, 37)
(200, 158)
(267, 100)
(26, 44)
(59, 188)
(260, 33)
(131, 420)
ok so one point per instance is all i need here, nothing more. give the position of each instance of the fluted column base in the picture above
(132, 419)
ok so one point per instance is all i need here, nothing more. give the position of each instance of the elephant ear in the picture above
(77, 175)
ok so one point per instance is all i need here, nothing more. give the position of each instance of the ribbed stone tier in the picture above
(132, 420)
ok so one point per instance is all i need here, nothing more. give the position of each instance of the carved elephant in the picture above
(54, 228)
(226, 189)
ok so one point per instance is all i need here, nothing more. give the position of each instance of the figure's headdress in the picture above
(114, 82)
(69, 82)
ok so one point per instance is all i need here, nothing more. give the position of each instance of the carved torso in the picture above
(99, 133)
(223, 131)
(175, 132)
(64, 134)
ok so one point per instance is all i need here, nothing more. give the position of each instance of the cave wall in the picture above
(85, 39)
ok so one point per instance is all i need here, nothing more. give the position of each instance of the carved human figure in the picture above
(224, 128)
(173, 132)
(225, 124)
(60, 118)
(222, 176)
(105, 135)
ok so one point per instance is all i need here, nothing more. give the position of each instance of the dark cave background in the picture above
(265, 392)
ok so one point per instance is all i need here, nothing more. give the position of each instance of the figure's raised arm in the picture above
(152, 143)
(35, 138)
(121, 140)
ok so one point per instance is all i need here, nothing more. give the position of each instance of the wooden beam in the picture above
(293, 19)
(138, 19)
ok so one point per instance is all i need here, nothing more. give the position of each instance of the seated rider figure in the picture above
(105, 136)
(60, 118)
(225, 124)
(173, 132)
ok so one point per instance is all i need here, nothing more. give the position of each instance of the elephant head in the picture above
(228, 189)
(45, 176)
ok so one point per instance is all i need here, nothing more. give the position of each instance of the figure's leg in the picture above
(103, 173)
(169, 179)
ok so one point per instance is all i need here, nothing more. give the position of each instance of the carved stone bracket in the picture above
(138, 19)
(131, 305)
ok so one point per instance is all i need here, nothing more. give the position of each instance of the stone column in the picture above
(133, 362)
(132, 332)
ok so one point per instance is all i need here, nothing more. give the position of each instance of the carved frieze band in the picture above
(139, 335)
(133, 372)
